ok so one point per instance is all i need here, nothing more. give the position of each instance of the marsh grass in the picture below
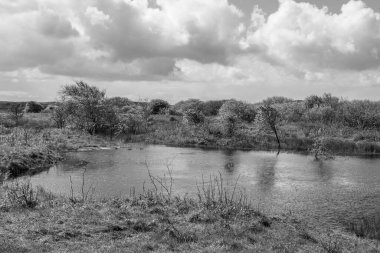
(368, 227)
(21, 194)
(219, 219)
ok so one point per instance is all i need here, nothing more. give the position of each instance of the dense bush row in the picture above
(87, 108)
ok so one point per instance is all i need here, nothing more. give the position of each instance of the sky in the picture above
(180, 49)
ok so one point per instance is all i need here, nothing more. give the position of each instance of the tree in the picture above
(85, 106)
(16, 113)
(269, 117)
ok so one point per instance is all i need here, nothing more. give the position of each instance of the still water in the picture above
(332, 192)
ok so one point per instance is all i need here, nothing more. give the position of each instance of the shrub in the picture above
(313, 101)
(242, 111)
(16, 113)
(192, 116)
(21, 194)
(88, 109)
(211, 108)
(60, 115)
(158, 106)
(131, 122)
(291, 112)
(190, 104)
(277, 100)
(33, 107)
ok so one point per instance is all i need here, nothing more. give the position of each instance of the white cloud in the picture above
(96, 17)
(189, 70)
(302, 35)
(191, 43)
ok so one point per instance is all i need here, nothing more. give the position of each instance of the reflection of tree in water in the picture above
(323, 170)
(266, 170)
(231, 161)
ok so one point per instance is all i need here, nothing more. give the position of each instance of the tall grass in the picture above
(368, 227)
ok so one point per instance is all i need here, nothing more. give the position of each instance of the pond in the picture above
(332, 192)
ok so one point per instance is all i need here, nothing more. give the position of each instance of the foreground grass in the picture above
(157, 223)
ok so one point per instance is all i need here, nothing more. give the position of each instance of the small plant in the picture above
(85, 195)
(21, 194)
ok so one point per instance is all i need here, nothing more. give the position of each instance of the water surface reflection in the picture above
(332, 190)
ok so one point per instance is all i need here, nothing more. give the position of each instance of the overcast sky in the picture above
(178, 49)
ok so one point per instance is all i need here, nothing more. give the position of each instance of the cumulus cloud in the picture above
(198, 41)
(34, 37)
(302, 35)
(202, 30)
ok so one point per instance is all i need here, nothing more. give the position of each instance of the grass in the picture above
(219, 220)
(31, 150)
(367, 227)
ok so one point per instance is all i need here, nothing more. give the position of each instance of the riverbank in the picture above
(29, 151)
(37, 145)
(155, 221)
(169, 130)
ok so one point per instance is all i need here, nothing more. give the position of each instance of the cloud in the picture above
(33, 37)
(202, 30)
(190, 42)
(192, 71)
(52, 25)
(302, 35)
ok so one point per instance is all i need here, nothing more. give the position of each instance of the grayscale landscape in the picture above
(190, 126)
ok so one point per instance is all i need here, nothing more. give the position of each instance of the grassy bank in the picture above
(28, 150)
(170, 130)
(219, 220)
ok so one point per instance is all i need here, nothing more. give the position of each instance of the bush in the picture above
(21, 195)
(33, 107)
(16, 113)
(313, 101)
(190, 104)
(242, 111)
(277, 100)
(192, 116)
(211, 108)
(158, 106)
(131, 122)
(60, 115)
(88, 109)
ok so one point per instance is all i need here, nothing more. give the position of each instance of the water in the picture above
(331, 192)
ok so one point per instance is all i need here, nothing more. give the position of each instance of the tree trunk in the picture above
(278, 140)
